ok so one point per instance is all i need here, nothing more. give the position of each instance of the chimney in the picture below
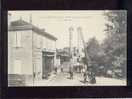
(9, 19)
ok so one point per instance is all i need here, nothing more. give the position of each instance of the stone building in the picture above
(31, 52)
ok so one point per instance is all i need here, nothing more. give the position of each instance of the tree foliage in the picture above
(114, 44)
(111, 54)
(96, 54)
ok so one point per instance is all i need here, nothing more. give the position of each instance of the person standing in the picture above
(92, 76)
(85, 76)
(71, 72)
(93, 80)
(61, 68)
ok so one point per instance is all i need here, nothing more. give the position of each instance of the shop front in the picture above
(47, 64)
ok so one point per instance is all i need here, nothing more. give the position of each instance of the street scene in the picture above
(67, 48)
(78, 80)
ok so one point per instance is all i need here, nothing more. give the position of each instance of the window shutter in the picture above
(17, 67)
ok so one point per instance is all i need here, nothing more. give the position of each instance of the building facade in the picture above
(31, 51)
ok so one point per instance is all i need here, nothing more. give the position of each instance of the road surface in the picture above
(62, 79)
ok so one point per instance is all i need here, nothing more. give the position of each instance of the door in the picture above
(47, 65)
(44, 68)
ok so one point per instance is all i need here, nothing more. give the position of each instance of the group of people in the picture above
(88, 75)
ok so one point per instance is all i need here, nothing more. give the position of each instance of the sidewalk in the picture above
(42, 82)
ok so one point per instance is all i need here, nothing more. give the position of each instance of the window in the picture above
(18, 39)
(17, 67)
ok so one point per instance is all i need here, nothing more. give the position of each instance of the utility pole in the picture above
(78, 45)
(70, 41)
(78, 39)
(70, 52)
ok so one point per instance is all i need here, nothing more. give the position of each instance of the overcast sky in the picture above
(57, 23)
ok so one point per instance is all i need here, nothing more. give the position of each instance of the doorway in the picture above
(47, 64)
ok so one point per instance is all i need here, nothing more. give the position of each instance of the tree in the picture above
(114, 44)
(96, 54)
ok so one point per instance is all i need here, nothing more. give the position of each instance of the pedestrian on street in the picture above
(55, 70)
(85, 77)
(62, 69)
(71, 72)
(93, 80)
(91, 75)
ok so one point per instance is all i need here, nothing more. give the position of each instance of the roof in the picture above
(23, 25)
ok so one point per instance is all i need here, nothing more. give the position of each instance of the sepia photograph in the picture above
(67, 48)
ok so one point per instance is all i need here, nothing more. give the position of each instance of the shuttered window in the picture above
(17, 67)
(17, 39)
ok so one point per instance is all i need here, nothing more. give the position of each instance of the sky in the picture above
(58, 23)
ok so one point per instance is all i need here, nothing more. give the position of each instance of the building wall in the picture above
(22, 53)
(40, 43)
(37, 54)
(29, 54)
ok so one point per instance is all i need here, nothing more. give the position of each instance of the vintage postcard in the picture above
(67, 48)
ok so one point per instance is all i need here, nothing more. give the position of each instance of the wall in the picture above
(37, 54)
(40, 43)
(23, 53)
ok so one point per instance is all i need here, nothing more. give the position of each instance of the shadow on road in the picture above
(83, 81)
